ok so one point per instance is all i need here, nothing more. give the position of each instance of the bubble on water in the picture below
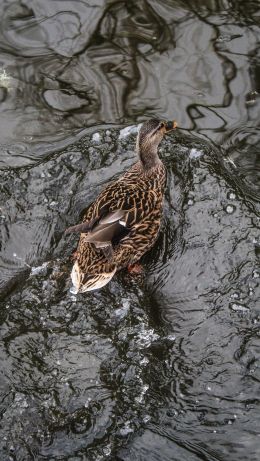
(96, 137)
(235, 295)
(230, 421)
(236, 307)
(208, 388)
(107, 450)
(231, 196)
(86, 405)
(224, 38)
(171, 337)
(21, 259)
(230, 209)
(190, 202)
(53, 203)
(251, 97)
(16, 149)
(256, 274)
(250, 292)
(43, 321)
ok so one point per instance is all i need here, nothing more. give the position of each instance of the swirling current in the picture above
(163, 366)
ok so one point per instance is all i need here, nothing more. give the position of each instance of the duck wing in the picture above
(107, 230)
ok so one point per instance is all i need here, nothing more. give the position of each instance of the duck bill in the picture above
(169, 126)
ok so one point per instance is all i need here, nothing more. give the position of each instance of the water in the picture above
(164, 365)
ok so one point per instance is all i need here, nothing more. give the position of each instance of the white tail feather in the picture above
(92, 283)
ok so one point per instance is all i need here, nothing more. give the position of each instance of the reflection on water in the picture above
(165, 366)
(121, 62)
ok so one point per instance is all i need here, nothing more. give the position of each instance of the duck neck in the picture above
(148, 156)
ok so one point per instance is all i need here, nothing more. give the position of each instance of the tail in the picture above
(93, 282)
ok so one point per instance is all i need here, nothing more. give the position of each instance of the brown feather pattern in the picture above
(143, 194)
(129, 210)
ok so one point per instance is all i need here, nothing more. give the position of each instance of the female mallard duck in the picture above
(124, 221)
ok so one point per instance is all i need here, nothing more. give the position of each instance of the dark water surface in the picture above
(165, 366)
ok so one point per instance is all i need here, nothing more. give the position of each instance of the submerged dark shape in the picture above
(124, 221)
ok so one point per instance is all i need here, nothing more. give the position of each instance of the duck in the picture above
(124, 221)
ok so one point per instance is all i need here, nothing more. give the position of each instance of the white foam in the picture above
(144, 389)
(122, 311)
(146, 337)
(38, 269)
(126, 429)
(132, 129)
(194, 153)
(96, 137)
(171, 337)
(73, 290)
(239, 307)
(230, 209)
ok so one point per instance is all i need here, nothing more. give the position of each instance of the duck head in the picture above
(149, 137)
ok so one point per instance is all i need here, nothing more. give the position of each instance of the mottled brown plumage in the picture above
(124, 221)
